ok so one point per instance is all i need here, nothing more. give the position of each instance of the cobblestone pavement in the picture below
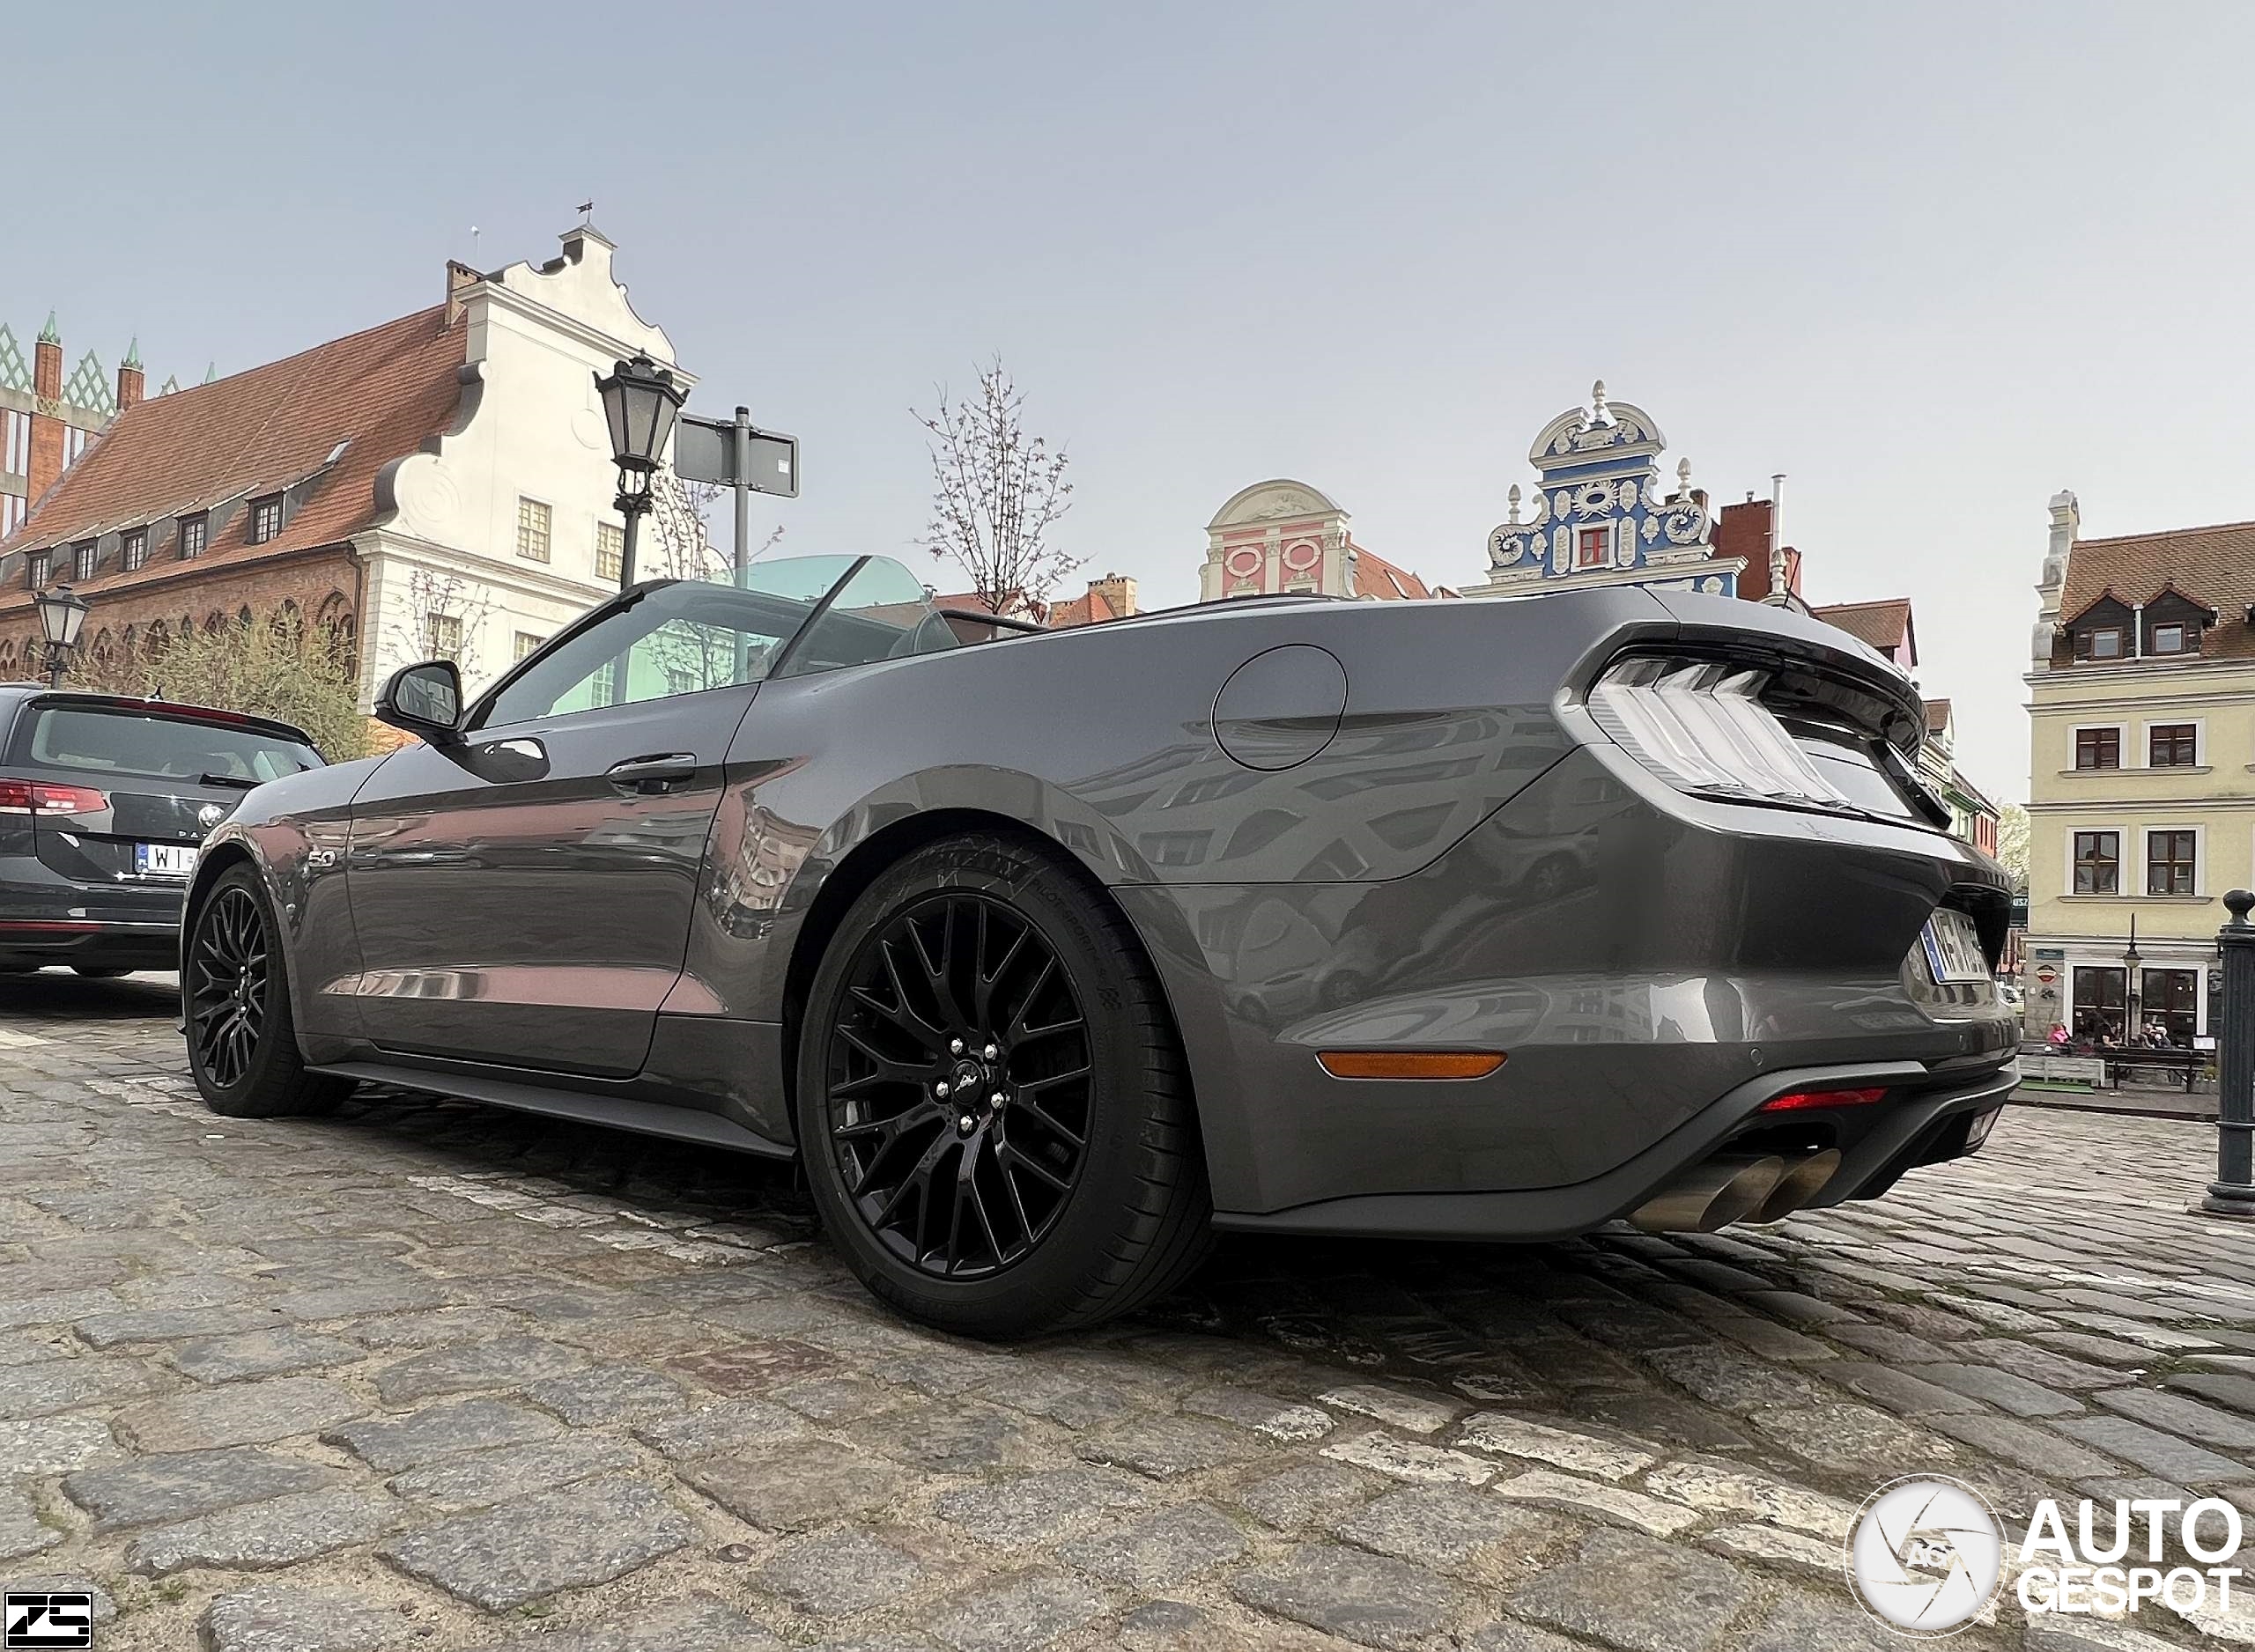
(430, 1375)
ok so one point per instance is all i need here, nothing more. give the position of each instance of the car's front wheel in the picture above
(242, 1048)
(992, 1101)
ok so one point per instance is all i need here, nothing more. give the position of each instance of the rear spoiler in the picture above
(180, 709)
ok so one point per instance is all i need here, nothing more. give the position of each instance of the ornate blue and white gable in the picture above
(1599, 514)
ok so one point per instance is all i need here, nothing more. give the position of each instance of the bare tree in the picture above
(445, 615)
(998, 492)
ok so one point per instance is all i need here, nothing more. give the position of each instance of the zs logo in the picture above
(47, 1620)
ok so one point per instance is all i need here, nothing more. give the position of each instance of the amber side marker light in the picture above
(1795, 1100)
(1410, 1064)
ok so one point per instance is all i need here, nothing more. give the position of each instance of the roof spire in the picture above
(51, 334)
(1683, 478)
(1513, 497)
(1597, 413)
(133, 354)
(211, 371)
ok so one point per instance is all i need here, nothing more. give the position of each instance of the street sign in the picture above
(705, 450)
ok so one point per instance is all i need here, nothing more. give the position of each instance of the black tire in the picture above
(1087, 1187)
(100, 971)
(243, 1045)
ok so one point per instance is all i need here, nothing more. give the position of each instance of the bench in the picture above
(2086, 1071)
(2176, 1064)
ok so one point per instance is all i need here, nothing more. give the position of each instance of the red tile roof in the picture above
(382, 393)
(1937, 716)
(1885, 625)
(1375, 576)
(1092, 609)
(2214, 566)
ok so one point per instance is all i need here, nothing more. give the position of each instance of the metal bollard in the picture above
(2233, 1192)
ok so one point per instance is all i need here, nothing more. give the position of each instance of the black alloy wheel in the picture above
(228, 980)
(991, 1100)
(959, 1085)
(242, 1044)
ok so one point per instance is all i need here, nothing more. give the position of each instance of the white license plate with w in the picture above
(1953, 948)
(164, 861)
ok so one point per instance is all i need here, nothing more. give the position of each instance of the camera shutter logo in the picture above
(47, 1619)
(1926, 1555)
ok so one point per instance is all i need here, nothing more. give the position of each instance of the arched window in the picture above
(159, 637)
(104, 651)
(129, 645)
(7, 663)
(214, 623)
(242, 616)
(287, 623)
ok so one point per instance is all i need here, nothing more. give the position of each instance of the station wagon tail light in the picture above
(1794, 1101)
(44, 798)
(1701, 725)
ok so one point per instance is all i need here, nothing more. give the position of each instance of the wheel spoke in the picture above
(1031, 1111)
(1041, 1172)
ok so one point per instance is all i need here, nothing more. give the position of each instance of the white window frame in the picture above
(2075, 731)
(2200, 859)
(2123, 837)
(1608, 530)
(2200, 740)
(546, 555)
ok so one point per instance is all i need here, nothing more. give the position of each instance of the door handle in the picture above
(655, 774)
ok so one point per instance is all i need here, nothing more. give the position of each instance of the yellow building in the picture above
(2141, 790)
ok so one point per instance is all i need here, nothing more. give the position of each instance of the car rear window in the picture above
(101, 741)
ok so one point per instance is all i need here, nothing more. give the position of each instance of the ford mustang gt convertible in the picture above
(1048, 953)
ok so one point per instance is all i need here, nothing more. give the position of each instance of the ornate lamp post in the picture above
(640, 400)
(62, 614)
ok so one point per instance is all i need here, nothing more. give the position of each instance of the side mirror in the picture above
(425, 700)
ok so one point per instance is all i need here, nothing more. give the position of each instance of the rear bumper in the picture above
(1653, 967)
(46, 919)
(1925, 1125)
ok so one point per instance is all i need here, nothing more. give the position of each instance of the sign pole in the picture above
(743, 490)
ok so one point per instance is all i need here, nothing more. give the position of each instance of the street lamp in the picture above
(2131, 963)
(62, 612)
(640, 400)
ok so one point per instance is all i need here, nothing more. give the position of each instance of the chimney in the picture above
(1118, 590)
(129, 378)
(459, 277)
(2067, 522)
(1777, 587)
(47, 430)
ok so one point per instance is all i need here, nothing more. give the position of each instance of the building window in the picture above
(37, 565)
(444, 634)
(192, 530)
(523, 645)
(2169, 861)
(2098, 863)
(2173, 745)
(266, 519)
(2168, 640)
(82, 560)
(610, 550)
(1592, 547)
(135, 553)
(532, 530)
(2167, 999)
(2107, 644)
(2099, 1002)
(2098, 749)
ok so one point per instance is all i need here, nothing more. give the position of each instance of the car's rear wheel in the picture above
(992, 1101)
(242, 1048)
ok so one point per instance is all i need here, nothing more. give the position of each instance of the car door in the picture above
(523, 896)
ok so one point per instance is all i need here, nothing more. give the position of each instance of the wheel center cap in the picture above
(970, 1077)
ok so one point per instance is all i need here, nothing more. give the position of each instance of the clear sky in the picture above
(1933, 263)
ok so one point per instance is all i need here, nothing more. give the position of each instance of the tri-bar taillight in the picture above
(45, 797)
(1701, 725)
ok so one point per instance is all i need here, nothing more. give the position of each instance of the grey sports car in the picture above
(1050, 951)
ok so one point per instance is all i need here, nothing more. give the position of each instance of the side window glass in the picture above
(684, 638)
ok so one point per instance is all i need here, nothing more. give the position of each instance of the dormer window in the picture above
(133, 553)
(2169, 640)
(192, 532)
(82, 561)
(1593, 548)
(2105, 643)
(265, 519)
(37, 565)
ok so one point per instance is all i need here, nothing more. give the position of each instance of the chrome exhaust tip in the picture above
(1801, 1183)
(1711, 1194)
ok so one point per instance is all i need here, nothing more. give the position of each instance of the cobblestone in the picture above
(468, 1366)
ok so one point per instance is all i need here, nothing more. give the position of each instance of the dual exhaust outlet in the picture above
(1737, 1187)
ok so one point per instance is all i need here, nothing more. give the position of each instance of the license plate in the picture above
(164, 861)
(1954, 948)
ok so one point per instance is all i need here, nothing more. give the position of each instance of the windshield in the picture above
(103, 739)
(790, 617)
